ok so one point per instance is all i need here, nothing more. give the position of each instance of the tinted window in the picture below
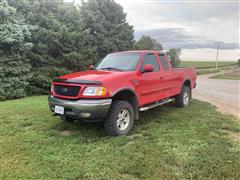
(164, 61)
(125, 61)
(150, 59)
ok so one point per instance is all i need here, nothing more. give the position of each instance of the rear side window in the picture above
(164, 62)
(150, 59)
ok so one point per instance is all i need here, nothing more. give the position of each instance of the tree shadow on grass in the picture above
(80, 128)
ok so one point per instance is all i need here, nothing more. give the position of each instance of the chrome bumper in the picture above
(82, 109)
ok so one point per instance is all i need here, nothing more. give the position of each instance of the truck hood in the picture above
(94, 75)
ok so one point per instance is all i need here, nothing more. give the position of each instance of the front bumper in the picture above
(82, 109)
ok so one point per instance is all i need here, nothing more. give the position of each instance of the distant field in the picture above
(205, 64)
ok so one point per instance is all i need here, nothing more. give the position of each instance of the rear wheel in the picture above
(120, 118)
(183, 99)
(66, 119)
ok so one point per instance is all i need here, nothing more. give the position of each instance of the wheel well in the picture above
(188, 84)
(130, 97)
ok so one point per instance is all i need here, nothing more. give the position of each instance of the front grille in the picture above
(66, 90)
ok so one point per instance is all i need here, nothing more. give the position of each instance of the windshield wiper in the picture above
(111, 68)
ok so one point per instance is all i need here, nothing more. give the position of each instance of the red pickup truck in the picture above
(118, 87)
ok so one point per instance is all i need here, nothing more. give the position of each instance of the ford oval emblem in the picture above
(64, 90)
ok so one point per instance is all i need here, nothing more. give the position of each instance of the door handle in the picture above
(161, 77)
(135, 81)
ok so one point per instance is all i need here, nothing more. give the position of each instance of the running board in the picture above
(157, 103)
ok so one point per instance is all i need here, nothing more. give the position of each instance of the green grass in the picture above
(207, 71)
(231, 76)
(167, 143)
(206, 64)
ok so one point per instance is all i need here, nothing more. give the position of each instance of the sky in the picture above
(192, 25)
(186, 24)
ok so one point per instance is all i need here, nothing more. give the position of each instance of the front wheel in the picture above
(183, 99)
(120, 118)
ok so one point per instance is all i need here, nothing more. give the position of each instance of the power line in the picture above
(218, 45)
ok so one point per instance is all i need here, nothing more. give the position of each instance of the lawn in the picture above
(207, 71)
(206, 64)
(235, 75)
(166, 143)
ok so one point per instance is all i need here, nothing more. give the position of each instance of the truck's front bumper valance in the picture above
(83, 108)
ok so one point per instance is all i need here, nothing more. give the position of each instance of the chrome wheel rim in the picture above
(123, 119)
(185, 98)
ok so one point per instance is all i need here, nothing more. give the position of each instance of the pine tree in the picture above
(68, 38)
(60, 45)
(14, 43)
(147, 43)
(106, 23)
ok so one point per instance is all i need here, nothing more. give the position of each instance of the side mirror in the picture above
(91, 67)
(148, 68)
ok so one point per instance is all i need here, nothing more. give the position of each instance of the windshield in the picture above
(126, 61)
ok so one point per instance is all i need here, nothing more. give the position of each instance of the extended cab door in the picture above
(167, 78)
(149, 83)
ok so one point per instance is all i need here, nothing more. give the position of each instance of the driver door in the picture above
(149, 82)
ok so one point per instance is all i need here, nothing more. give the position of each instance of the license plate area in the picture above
(59, 110)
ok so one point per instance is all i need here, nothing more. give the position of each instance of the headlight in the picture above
(95, 91)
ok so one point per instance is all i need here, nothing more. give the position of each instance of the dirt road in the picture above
(224, 94)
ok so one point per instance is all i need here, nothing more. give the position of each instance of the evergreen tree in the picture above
(14, 43)
(60, 45)
(147, 43)
(68, 38)
(106, 23)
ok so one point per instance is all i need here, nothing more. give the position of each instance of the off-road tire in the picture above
(179, 99)
(110, 124)
(66, 119)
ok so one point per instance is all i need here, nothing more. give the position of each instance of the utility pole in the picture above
(218, 45)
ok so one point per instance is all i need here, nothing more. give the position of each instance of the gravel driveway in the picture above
(224, 94)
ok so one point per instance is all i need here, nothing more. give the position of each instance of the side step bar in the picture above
(157, 103)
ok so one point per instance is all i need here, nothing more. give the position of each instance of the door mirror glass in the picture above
(150, 59)
(148, 68)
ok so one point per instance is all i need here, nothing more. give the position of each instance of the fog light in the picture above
(85, 115)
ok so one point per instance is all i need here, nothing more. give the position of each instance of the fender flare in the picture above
(136, 110)
(123, 89)
(187, 79)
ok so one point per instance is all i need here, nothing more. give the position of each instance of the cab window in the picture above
(164, 61)
(150, 59)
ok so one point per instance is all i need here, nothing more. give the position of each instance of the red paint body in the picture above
(148, 87)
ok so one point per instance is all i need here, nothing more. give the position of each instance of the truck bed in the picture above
(181, 74)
